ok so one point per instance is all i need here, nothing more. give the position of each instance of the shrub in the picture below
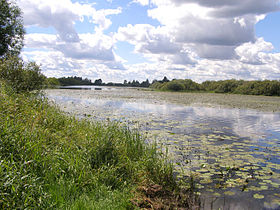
(175, 85)
(22, 77)
(191, 85)
(51, 82)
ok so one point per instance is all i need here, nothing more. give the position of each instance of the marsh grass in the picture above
(51, 160)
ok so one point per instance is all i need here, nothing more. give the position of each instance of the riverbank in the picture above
(52, 160)
(232, 153)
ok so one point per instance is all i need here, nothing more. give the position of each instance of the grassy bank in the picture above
(51, 160)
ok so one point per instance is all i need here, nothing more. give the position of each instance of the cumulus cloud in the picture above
(255, 53)
(214, 28)
(57, 14)
(150, 40)
(197, 39)
(62, 15)
(229, 8)
(90, 46)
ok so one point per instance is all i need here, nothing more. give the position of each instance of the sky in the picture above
(118, 40)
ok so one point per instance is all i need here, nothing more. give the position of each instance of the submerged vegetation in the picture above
(266, 87)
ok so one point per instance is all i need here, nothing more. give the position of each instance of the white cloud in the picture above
(141, 2)
(228, 8)
(197, 39)
(155, 44)
(211, 29)
(62, 15)
(90, 46)
(255, 53)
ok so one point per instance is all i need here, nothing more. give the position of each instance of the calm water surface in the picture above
(234, 154)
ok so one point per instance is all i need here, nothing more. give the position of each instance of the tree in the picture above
(21, 76)
(145, 83)
(52, 82)
(98, 82)
(165, 79)
(11, 28)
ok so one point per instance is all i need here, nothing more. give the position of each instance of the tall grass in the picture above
(51, 160)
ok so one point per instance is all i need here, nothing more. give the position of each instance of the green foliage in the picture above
(65, 81)
(266, 87)
(50, 160)
(227, 86)
(98, 82)
(191, 85)
(12, 31)
(175, 85)
(22, 77)
(51, 82)
(157, 85)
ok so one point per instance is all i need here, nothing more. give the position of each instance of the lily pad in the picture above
(258, 196)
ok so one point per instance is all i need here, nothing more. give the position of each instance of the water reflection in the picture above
(244, 123)
(234, 153)
(86, 87)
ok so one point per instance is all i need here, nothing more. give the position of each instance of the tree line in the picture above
(74, 80)
(266, 87)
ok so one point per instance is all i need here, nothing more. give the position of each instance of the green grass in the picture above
(51, 160)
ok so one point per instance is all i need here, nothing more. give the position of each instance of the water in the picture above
(234, 154)
(86, 87)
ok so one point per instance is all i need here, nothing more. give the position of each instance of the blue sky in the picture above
(269, 28)
(149, 39)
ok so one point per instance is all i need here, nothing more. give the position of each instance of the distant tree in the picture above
(11, 28)
(165, 79)
(145, 83)
(52, 82)
(125, 82)
(98, 82)
(154, 81)
(74, 81)
(135, 83)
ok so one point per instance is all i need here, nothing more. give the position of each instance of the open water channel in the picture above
(233, 152)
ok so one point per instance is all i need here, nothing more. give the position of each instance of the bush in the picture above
(175, 85)
(22, 77)
(227, 86)
(157, 85)
(52, 82)
(191, 85)
(267, 88)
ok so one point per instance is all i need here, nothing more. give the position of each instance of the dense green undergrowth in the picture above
(266, 87)
(52, 160)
